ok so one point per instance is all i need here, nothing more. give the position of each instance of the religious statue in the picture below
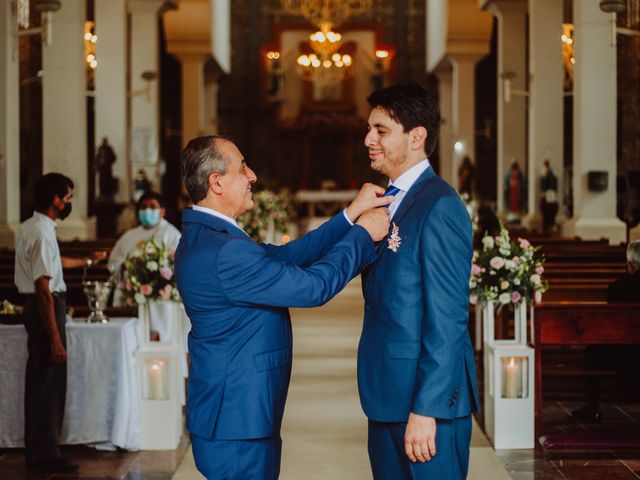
(105, 158)
(141, 185)
(515, 190)
(466, 177)
(548, 197)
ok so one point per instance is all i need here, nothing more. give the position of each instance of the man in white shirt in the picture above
(38, 276)
(151, 211)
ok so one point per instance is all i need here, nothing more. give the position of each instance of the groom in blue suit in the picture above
(236, 293)
(416, 371)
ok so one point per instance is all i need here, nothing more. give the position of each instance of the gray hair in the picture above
(633, 254)
(200, 158)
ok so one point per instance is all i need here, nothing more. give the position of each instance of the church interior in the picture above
(539, 134)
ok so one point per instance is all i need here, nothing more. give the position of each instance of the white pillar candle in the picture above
(156, 381)
(511, 378)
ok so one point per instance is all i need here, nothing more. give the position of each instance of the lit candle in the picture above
(511, 379)
(156, 381)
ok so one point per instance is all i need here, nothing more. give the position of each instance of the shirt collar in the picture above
(215, 213)
(408, 178)
(46, 219)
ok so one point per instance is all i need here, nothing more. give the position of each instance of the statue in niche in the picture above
(105, 158)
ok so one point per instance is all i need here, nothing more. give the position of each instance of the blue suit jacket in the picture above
(236, 293)
(415, 354)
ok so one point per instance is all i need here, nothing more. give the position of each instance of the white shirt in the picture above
(38, 255)
(164, 233)
(405, 181)
(222, 216)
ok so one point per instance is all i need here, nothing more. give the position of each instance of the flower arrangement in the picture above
(8, 308)
(271, 213)
(472, 209)
(506, 271)
(148, 274)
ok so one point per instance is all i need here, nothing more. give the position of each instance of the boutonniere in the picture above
(394, 241)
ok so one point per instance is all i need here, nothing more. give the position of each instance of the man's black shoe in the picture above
(587, 414)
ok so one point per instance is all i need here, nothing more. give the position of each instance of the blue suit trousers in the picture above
(390, 462)
(254, 459)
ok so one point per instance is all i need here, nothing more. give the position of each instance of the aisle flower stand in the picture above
(508, 382)
(161, 381)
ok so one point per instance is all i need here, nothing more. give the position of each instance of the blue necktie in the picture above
(391, 190)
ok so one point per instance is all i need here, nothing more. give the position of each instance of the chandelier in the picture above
(568, 60)
(326, 13)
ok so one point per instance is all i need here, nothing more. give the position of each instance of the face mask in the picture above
(66, 210)
(149, 217)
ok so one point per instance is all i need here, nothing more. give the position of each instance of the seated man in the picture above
(151, 211)
(625, 289)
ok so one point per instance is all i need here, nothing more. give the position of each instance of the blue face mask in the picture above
(149, 217)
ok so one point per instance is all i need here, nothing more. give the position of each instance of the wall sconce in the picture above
(507, 78)
(46, 9)
(148, 76)
(275, 75)
(613, 7)
(381, 66)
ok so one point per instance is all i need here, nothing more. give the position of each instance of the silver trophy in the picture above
(98, 295)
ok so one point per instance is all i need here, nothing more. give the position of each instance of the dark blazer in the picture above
(625, 289)
(236, 293)
(415, 354)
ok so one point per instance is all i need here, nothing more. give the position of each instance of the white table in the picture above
(102, 407)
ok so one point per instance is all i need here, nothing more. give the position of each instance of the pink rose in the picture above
(524, 243)
(129, 301)
(146, 289)
(127, 286)
(166, 273)
(516, 260)
(540, 270)
(497, 262)
(171, 254)
(537, 296)
(165, 292)
(515, 297)
(475, 270)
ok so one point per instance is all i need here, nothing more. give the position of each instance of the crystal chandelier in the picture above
(326, 62)
(326, 13)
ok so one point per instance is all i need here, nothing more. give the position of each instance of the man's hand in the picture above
(420, 438)
(376, 222)
(369, 196)
(58, 353)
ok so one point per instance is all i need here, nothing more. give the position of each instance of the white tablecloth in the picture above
(102, 405)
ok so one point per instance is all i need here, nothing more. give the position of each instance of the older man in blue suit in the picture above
(416, 372)
(236, 293)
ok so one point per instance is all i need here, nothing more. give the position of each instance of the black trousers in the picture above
(45, 384)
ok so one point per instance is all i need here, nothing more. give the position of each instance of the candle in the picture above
(156, 381)
(511, 377)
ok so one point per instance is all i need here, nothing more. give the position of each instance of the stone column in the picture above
(9, 130)
(545, 101)
(594, 125)
(446, 126)
(144, 71)
(511, 130)
(192, 56)
(464, 110)
(64, 114)
(211, 102)
(111, 88)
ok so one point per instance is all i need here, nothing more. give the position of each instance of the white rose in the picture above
(152, 266)
(487, 242)
(504, 298)
(535, 279)
(516, 281)
(140, 298)
(509, 265)
(504, 285)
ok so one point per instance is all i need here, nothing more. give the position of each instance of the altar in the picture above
(102, 407)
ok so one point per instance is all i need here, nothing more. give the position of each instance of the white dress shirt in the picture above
(404, 182)
(38, 255)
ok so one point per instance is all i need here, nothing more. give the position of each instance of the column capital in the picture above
(151, 6)
(504, 7)
(189, 50)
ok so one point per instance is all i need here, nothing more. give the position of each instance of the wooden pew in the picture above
(580, 323)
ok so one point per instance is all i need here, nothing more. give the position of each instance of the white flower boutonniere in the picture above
(394, 241)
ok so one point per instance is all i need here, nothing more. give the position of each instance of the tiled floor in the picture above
(97, 465)
(579, 465)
